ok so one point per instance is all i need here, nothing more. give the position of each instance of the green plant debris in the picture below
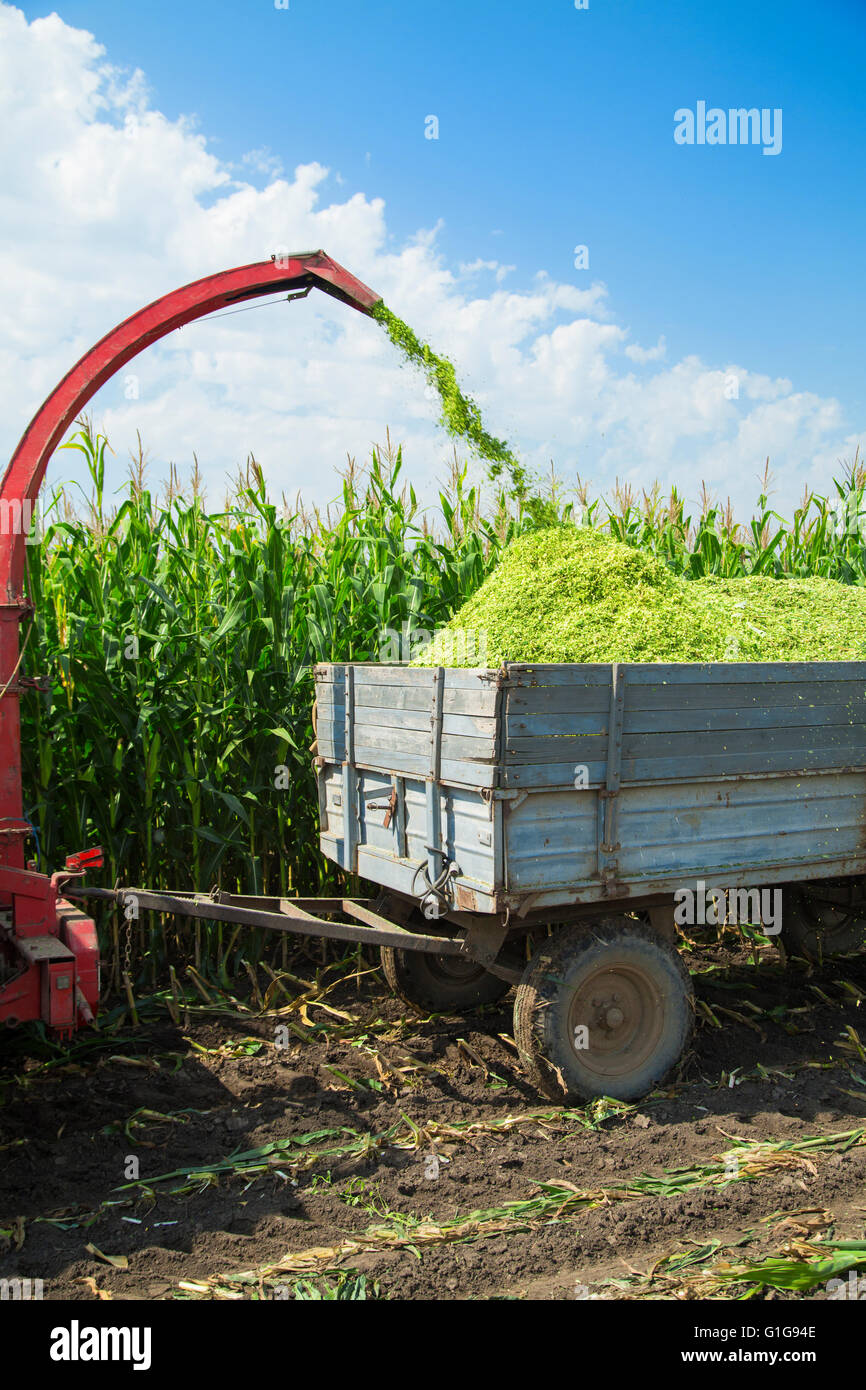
(552, 1202)
(349, 1286)
(306, 1151)
(688, 1275)
(576, 594)
(460, 416)
(825, 1260)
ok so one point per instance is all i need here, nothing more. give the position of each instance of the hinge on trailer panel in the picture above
(389, 806)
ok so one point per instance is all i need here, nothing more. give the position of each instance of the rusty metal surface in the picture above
(289, 918)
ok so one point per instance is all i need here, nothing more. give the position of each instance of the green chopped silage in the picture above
(460, 416)
(575, 594)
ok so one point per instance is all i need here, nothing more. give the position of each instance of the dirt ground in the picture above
(412, 1160)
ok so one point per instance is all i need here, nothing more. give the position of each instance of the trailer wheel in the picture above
(440, 984)
(604, 1011)
(816, 928)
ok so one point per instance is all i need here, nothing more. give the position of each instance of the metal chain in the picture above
(127, 946)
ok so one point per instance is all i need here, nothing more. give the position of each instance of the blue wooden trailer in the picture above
(549, 826)
(589, 808)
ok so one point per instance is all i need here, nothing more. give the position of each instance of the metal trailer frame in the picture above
(375, 921)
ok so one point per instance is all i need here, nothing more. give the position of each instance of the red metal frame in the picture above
(32, 898)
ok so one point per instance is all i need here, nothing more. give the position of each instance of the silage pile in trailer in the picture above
(576, 594)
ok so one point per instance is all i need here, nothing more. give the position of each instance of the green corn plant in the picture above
(179, 643)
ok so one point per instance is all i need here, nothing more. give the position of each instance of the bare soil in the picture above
(373, 1218)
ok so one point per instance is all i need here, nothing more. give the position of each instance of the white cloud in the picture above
(653, 354)
(501, 272)
(106, 204)
(264, 161)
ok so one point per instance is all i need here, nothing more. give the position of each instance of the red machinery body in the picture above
(49, 955)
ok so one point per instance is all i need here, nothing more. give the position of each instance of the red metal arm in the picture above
(23, 477)
(26, 470)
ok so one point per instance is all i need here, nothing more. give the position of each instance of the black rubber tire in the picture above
(817, 930)
(627, 963)
(440, 984)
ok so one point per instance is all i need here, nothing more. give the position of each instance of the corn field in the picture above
(178, 645)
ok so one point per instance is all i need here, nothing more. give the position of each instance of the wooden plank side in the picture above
(557, 699)
(832, 739)
(458, 748)
(747, 695)
(330, 673)
(792, 760)
(330, 737)
(672, 695)
(745, 672)
(683, 673)
(686, 720)
(481, 701)
(420, 677)
(635, 771)
(550, 774)
(551, 839)
(468, 725)
(577, 721)
(406, 740)
(464, 774)
(729, 718)
(521, 731)
(527, 677)
(413, 741)
(556, 749)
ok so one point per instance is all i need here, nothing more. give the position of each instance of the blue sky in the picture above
(556, 128)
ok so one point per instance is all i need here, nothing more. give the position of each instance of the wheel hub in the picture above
(456, 969)
(616, 1019)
